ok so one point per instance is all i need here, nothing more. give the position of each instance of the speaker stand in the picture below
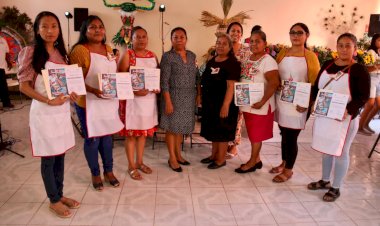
(4, 146)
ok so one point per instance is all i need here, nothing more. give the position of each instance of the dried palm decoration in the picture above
(208, 19)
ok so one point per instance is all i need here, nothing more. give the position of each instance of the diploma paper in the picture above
(248, 93)
(116, 85)
(64, 80)
(330, 104)
(145, 78)
(297, 93)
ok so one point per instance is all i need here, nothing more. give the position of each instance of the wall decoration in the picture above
(340, 19)
(127, 14)
(208, 19)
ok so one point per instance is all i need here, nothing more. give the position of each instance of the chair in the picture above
(374, 146)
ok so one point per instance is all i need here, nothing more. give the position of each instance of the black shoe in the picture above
(8, 105)
(185, 163)
(207, 160)
(214, 165)
(114, 182)
(178, 170)
(258, 165)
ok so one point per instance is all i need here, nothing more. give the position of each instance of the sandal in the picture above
(321, 184)
(230, 155)
(145, 169)
(331, 195)
(60, 210)
(97, 183)
(71, 203)
(135, 175)
(111, 179)
(282, 177)
(277, 169)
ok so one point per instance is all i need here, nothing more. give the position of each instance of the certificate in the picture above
(145, 78)
(248, 93)
(64, 80)
(330, 104)
(116, 85)
(297, 93)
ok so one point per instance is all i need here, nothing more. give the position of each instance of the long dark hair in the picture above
(83, 30)
(373, 43)
(349, 36)
(41, 55)
(304, 28)
(232, 24)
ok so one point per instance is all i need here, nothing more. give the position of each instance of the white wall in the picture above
(275, 16)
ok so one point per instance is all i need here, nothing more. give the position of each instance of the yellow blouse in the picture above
(311, 60)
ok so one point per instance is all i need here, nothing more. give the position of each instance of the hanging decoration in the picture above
(339, 21)
(127, 15)
(208, 19)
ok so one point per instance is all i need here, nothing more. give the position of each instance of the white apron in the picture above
(329, 135)
(102, 115)
(141, 112)
(294, 69)
(51, 131)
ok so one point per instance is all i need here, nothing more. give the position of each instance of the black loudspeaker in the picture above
(374, 24)
(80, 14)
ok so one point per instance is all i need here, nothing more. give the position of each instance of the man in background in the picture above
(4, 63)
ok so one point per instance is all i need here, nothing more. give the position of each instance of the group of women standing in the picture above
(182, 88)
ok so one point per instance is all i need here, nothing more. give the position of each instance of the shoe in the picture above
(368, 129)
(321, 184)
(71, 203)
(111, 179)
(96, 184)
(60, 210)
(230, 155)
(134, 174)
(145, 169)
(185, 163)
(8, 105)
(178, 170)
(207, 160)
(364, 132)
(282, 177)
(258, 165)
(214, 165)
(331, 195)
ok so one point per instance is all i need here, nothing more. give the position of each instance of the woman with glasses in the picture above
(297, 64)
(331, 136)
(98, 116)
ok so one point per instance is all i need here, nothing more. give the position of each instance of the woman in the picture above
(219, 113)
(98, 116)
(370, 109)
(260, 68)
(49, 120)
(300, 65)
(334, 137)
(178, 85)
(139, 114)
(242, 53)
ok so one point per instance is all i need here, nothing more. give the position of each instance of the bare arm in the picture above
(273, 83)
(26, 88)
(227, 99)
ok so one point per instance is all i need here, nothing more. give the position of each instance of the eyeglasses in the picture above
(298, 33)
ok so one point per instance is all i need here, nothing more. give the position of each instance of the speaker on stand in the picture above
(4, 146)
(80, 14)
(374, 25)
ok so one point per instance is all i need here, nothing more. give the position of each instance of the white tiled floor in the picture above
(197, 196)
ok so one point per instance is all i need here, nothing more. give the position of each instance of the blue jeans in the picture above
(92, 146)
(52, 171)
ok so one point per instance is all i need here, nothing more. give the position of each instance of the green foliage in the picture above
(20, 22)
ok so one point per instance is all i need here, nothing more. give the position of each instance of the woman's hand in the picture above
(301, 109)
(224, 111)
(73, 96)
(156, 91)
(97, 93)
(59, 100)
(169, 109)
(198, 101)
(258, 105)
(141, 92)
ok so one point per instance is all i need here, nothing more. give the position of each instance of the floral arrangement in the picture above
(365, 58)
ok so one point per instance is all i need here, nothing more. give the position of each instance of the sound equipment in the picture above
(80, 14)
(374, 25)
